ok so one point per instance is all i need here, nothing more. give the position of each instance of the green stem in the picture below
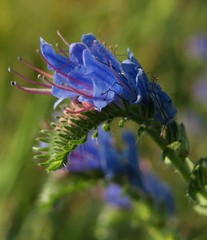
(157, 138)
(179, 162)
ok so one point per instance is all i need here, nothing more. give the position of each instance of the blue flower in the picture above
(159, 191)
(92, 74)
(102, 155)
(97, 154)
(86, 75)
(196, 46)
(86, 157)
(164, 108)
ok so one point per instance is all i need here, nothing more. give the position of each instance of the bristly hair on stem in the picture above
(72, 127)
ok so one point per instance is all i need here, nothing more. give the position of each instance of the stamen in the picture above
(40, 91)
(35, 68)
(63, 74)
(42, 78)
(27, 79)
(68, 88)
(61, 50)
(64, 65)
(63, 39)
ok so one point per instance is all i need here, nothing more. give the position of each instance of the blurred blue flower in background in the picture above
(101, 154)
(116, 197)
(197, 46)
(199, 89)
(159, 191)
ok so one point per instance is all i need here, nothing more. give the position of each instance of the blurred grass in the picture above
(156, 31)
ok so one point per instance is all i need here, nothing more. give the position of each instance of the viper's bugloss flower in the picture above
(90, 73)
(196, 46)
(159, 191)
(101, 154)
(115, 196)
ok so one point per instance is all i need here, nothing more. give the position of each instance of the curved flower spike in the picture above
(92, 74)
(102, 155)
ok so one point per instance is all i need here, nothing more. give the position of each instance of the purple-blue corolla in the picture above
(91, 74)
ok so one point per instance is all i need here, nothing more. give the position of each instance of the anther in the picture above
(13, 83)
(28, 79)
(42, 91)
(35, 68)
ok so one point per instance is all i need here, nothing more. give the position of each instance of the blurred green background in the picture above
(157, 32)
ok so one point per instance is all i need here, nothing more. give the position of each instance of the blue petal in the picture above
(76, 52)
(165, 110)
(142, 85)
(132, 156)
(59, 92)
(80, 82)
(160, 192)
(99, 51)
(86, 157)
(132, 58)
(115, 196)
(130, 69)
(56, 61)
(104, 82)
(114, 165)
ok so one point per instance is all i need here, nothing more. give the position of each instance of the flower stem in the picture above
(181, 163)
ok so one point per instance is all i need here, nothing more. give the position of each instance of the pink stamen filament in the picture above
(51, 76)
(61, 50)
(40, 91)
(27, 79)
(35, 68)
(63, 74)
(69, 88)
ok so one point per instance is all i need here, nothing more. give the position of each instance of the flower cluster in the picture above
(91, 74)
(101, 154)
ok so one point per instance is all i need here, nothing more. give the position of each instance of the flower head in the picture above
(97, 154)
(102, 155)
(91, 74)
